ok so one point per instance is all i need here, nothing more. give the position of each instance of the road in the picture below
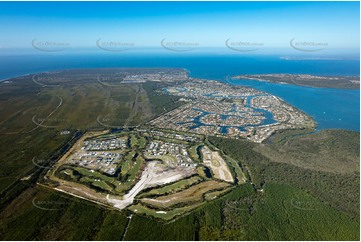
(128, 198)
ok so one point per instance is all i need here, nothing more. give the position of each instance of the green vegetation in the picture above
(58, 217)
(195, 153)
(166, 215)
(339, 189)
(142, 142)
(310, 182)
(237, 170)
(135, 170)
(133, 141)
(128, 162)
(161, 102)
(285, 134)
(213, 195)
(113, 227)
(93, 179)
(102, 185)
(128, 170)
(191, 195)
(143, 228)
(200, 171)
(86, 105)
(170, 140)
(174, 187)
(242, 214)
(329, 150)
(279, 214)
(341, 82)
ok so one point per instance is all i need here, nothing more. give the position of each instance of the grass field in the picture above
(193, 152)
(241, 177)
(97, 179)
(142, 142)
(135, 170)
(128, 162)
(133, 141)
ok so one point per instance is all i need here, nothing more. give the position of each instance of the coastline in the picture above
(328, 121)
(250, 78)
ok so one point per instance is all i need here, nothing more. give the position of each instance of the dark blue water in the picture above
(331, 108)
(203, 66)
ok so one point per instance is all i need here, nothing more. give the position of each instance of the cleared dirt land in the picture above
(213, 160)
(174, 187)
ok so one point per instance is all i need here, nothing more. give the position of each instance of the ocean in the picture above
(331, 108)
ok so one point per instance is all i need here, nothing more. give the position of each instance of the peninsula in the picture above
(341, 82)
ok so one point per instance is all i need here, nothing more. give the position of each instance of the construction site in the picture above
(159, 173)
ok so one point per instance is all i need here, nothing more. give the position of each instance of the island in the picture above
(342, 82)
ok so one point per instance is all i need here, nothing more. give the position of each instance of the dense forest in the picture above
(339, 190)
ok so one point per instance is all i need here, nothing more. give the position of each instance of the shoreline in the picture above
(180, 68)
(87, 68)
(222, 81)
(261, 79)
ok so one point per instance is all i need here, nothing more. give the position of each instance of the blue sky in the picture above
(205, 24)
